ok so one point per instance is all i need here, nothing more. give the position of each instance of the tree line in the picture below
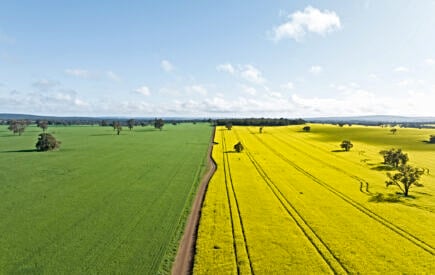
(259, 121)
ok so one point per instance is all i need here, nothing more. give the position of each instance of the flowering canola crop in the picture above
(290, 203)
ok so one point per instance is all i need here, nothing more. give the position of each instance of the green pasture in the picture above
(103, 203)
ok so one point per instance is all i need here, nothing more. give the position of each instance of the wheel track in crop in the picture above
(396, 229)
(230, 185)
(359, 179)
(319, 245)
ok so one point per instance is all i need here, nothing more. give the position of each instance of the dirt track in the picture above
(186, 251)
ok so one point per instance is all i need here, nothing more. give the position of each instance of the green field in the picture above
(101, 204)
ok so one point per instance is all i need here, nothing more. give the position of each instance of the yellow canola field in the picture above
(290, 202)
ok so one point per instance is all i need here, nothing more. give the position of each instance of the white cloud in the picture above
(228, 68)
(44, 102)
(247, 72)
(401, 69)
(248, 90)
(196, 89)
(310, 20)
(316, 69)
(288, 86)
(78, 73)
(144, 90)
(430, 61)
(113, 76)
(167, 66)
(252, 74)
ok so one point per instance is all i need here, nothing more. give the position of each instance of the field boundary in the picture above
(183, 263)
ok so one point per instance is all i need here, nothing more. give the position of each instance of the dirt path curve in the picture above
(186, 251)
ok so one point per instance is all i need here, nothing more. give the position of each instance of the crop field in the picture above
(103, 203)
(293, 202)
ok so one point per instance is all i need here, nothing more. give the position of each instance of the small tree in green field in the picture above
(47, 142)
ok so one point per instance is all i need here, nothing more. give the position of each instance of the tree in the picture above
(229, 125)
(118, 129)
(394, 157)
(43, 124)
(158, 123)
(103, 123)
(17, 126)
(432, 139)
(261, 130)
(393, 131)
(117, 126)
(238, 147)
(130, 124)
(46, 142)
(346, 145)
(405, 178)
(306, 129)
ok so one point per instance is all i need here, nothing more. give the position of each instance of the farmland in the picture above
(101, 204)
(295, 202)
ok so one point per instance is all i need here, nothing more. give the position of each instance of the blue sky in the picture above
(217, 58)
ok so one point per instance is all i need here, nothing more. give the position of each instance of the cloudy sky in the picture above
(217, 58)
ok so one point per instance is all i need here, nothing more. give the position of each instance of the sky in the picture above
(217, 58)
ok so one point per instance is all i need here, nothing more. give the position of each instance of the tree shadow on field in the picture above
(391, 198)
(20, 151)
(150, 130)
(383, 167)
(338, 151)
(101, 135)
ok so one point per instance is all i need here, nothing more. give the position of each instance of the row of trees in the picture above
(18, 126)
(117, 125)
(259, 121)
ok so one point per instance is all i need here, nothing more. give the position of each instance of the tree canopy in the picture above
(158, 123)
(394, 157)
(238, 147)
(17, 126)
(306, 129)
(47, 142)
(130, 124)
(406, 177)
(346, 145)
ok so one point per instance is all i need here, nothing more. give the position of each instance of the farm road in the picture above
(183, 263)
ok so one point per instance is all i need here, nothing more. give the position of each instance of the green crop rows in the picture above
(101, 204)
